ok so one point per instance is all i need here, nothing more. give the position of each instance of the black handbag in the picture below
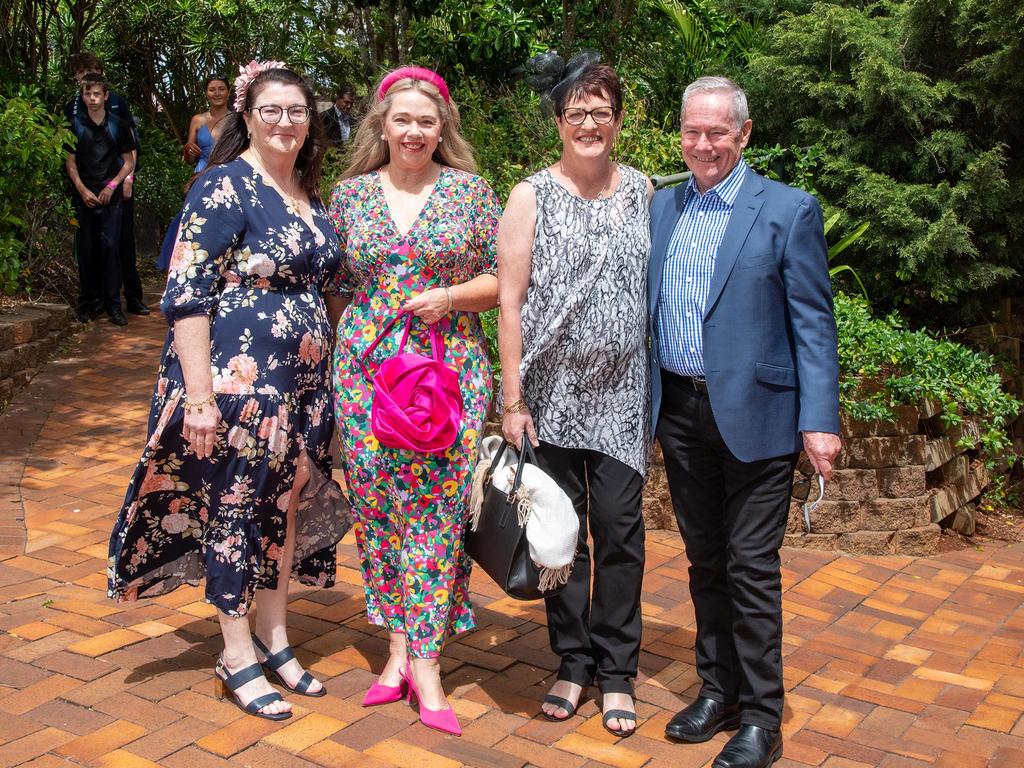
(499, 545)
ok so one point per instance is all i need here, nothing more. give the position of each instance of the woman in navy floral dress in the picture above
(234, 483)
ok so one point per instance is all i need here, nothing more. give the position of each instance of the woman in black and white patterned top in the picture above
(573, 248)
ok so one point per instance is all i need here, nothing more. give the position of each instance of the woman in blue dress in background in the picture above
(204, 128)
(234, 483)
(203, 131)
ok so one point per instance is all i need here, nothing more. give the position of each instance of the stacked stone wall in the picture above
(28, 336)
(894, 484)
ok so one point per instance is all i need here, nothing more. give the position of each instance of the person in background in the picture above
(204, 128)
(82, 64)
(745, 373)
(339, 121)
(234, 484)
(572, 274)
(203, 131)
(100, 164)
(418, 232)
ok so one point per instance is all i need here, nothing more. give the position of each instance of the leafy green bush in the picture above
(33, 186)
(912, 366)
(160, 182)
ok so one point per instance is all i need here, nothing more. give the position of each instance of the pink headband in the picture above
(248, 73)
(416, 73)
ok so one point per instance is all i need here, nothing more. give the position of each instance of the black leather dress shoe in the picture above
(138, 308)
(703, 719)
(751, 747)
(116, 316)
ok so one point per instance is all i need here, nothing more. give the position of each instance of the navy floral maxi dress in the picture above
(245, 258)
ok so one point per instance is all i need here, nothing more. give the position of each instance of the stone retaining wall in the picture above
(28, 336)
(893, 484)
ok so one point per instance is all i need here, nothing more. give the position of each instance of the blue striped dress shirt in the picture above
(689, 265)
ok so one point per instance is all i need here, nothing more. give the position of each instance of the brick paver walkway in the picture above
(890, 661)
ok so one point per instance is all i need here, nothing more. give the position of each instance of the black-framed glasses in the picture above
(272, 113)
(578, 115)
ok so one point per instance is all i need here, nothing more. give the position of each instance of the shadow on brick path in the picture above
(890, 661)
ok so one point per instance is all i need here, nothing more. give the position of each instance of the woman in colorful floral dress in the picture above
(418, 231)
(234, 483)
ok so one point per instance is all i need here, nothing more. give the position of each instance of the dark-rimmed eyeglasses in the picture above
(577, 115)
(272, 113)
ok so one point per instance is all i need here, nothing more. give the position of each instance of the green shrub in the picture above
(33, 186)
(912, 366)
(160, 183)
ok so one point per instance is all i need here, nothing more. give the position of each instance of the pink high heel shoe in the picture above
(440, 719)
(384, 694)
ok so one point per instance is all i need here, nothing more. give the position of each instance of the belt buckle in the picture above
(700, 384)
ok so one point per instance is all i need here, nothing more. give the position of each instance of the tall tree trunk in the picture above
(403, 31)
(622, 15)
(569, 10)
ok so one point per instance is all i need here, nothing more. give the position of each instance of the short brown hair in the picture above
(83, 61)
(593, 80)
(91, 81)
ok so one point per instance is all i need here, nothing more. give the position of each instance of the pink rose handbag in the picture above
(417, 400)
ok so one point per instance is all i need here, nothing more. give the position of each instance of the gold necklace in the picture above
(293, 202)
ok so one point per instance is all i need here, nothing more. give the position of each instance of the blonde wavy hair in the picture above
(369, 152)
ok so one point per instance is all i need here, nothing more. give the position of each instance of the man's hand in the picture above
(105, 194)
(88, 197)
(126, 188)
(821, 449)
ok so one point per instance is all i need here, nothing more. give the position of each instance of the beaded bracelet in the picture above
(188, 405)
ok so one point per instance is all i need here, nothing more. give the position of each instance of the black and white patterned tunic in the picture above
(584, 368)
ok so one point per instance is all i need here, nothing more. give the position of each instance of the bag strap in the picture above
(436, 342)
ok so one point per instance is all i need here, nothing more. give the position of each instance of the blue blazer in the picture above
(770, 355)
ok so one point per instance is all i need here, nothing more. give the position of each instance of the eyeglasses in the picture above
(272, 113)
(577, 116)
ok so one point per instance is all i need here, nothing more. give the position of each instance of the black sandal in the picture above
(272, 663)
(565, 704)
(619, 714)
(230, 683)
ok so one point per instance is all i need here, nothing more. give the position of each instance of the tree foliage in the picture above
(916, 135)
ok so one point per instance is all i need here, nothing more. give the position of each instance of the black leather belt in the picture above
(697, 385)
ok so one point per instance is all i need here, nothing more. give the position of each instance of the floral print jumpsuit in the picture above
(246, 260)
(410, 508)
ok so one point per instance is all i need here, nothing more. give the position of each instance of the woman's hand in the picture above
(429, 306)
(190, 152)
(515, 425)
(200, 428)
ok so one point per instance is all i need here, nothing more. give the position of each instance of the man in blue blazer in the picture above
(744, 375)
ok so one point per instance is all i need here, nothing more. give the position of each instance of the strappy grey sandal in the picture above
(230, 683)
(619, 714)
(273, 662)
(565, 704)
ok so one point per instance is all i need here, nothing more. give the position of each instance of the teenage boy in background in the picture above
(102, 160)
(82, 64)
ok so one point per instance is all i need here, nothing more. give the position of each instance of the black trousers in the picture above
(97, 247)
(594, 622)
(129, 266)
(732, 515)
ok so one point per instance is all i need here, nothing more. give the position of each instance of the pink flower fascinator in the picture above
(248, 73)
(416, 73)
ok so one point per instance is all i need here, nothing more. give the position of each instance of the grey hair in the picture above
(720, 85)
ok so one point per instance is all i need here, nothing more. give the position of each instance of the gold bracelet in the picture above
(188, 405)
(517, 407)
(448, 293)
